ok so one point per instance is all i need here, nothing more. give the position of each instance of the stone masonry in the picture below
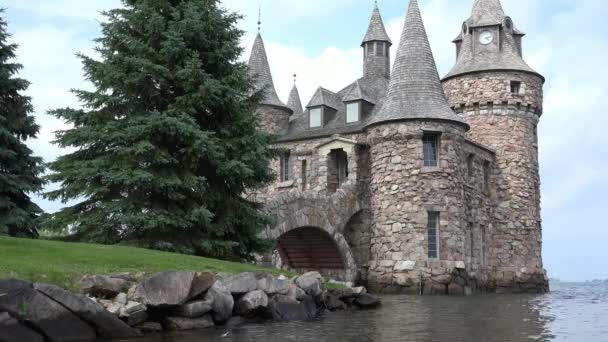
(412, 183)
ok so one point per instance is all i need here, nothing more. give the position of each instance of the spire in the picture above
(294, 99)
(487, 13)
(260, 71)
(415, 91)
(376, 30)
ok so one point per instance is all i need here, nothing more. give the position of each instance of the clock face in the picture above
(486, 37)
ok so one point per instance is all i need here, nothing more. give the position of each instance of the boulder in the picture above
(24, 303)
(222, 300)
(182, 323)
(121, 299)
(100, 286)
(241, 283)
(133, 307)
(332, 303)
(251, 303)
(106, 324)
(359, 290)
(136, 318)
(272, 285)
(311, 283)
(195, 309)
(201, 282)
(366, 301)
(295, 293)
(443, 279)
(12, 331)
(149, 327)
(282, 308)
(169, 288)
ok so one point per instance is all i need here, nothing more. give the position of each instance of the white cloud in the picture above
(75, 9)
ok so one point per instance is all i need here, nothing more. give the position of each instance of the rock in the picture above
(114, 308)
(222, 300)
(100, 286)
(250, 303)
(12, 331)
(169, 288)
(133, 307)
(333, 303)
(311, 283)
(241, 283)
(150, 327)
(24, 303)
(106, 324)
(136, 318)
(121, 299)
(272, 285)
(182, 323)
(283, 309)
(443, 279)
(359, 290)
(201, 282)
(460, 265)
(195, 309)
(295, 293)
(402, 266)
(282, 277)
(366, 301)
(124, 276)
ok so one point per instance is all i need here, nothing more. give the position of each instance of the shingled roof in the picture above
(294, 102)
(376, 30)
(415, 91)
(260, 71)
(489, 13)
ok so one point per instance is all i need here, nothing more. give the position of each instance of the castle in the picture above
(409, 183)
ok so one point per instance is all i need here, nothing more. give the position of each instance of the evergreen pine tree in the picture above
(166, 143)
(19, 170)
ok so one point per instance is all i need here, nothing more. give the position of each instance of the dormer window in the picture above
(353, 112)
(315, 117)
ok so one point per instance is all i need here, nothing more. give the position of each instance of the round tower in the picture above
(273, 113)
(501, 98)
(417, 152)
(376, 48)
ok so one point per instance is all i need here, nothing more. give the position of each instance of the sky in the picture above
(319, 40)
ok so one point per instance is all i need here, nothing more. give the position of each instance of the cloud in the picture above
(72, 9)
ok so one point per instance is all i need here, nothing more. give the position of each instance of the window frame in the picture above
(433, 217)
(285, 167)
(359, 109)
(321, 110)
(304, 171)
(515, 85)
(486, 177)
(427, 162)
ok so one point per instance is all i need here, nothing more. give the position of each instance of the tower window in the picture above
(431, 149)
(304, 175)
(314, 117)
(379, 49)
(470, 165)
(515, 87)
(433, 234)
(486, 177)
(353, 111)
(285, 166)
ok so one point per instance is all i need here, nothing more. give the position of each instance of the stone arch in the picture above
(358, 235)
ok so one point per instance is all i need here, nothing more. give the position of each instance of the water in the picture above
(571, 312)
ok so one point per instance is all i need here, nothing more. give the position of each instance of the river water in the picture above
(571, 312)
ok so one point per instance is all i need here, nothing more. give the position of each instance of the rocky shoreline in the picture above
(118, 306)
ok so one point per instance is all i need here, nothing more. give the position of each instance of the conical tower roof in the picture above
(294, 102)
(508, 57)
(415, 91)
(260, 71)
(376, 30)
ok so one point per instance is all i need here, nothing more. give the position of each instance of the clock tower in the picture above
(501, 97)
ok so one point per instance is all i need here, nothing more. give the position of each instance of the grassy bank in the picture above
(63, 263)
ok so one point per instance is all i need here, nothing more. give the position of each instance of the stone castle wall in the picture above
(273, 119)
(508, 123)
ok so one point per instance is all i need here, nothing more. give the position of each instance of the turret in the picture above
(376, 48)
(273, 114)
(294, 103)
(501, 97)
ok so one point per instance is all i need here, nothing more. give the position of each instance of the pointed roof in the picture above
(359, 91)
(415, 91)
(376, 30)
(260, 70)
(324, 97)
(294, 102)
(489, 13)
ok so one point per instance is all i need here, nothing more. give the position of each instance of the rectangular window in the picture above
(482, 247)
(285, 167)
(315, 117)
(379, 49)
(433, 233)
(431, 150)
(304, 175)
(470, 165)
(486, 177)
(515, 87)
(352, 112)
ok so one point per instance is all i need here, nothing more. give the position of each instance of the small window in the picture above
(486, 177)
(431, 150)
(482, 246)
(379, 49)
(515, 87)
(304, 175)
(470, 165)
(315, 115)
(433, 233)
(285, 167)
(353, 112)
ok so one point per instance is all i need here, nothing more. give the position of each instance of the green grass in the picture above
(63, 264)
